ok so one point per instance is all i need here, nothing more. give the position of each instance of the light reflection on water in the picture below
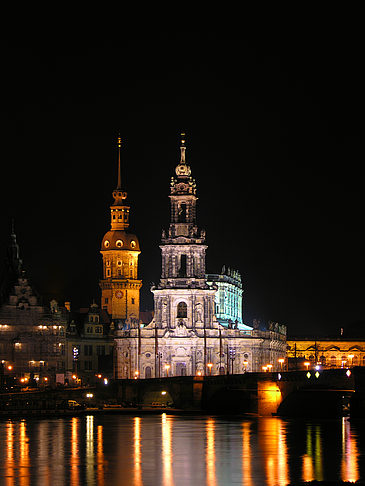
(176, 450)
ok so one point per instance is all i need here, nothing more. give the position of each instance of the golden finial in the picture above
(183, 139)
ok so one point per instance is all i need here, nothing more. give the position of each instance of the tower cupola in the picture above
(120, 249)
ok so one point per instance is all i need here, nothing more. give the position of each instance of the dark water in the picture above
(169, 450)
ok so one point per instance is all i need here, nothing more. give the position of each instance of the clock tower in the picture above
(120, 249)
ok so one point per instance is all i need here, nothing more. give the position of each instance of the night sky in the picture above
(274, 133)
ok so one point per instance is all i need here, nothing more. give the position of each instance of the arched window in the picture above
(333, 360)
(182, 309)
(147, 372)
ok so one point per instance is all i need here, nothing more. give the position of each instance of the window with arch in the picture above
(182, 309)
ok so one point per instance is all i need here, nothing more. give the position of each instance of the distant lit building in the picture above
(185, 336)
(328, 352)
(32, 337)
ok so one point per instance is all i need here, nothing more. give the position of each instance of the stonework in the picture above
(185, 336)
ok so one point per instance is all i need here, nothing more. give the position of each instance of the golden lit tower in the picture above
(120, 249)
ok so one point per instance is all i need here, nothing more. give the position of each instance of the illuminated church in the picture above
(191, 333)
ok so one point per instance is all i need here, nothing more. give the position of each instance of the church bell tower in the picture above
(120, 249)
(183, 297)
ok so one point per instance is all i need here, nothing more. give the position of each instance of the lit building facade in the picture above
(89, 344)
(228, 298)
(185, 337)
(32, 336)
(341, 352)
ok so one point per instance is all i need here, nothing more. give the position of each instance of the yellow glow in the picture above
(74, 462)
(273, 445)
(167, 456)
(9, 464)
(90, 458)
(100, 456)
(210, 453)
(137, 452)
(306, 364)
(24, 455)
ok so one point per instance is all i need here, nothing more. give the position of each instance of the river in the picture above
(168, 450)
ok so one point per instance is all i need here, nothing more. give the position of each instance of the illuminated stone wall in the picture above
(329, 352)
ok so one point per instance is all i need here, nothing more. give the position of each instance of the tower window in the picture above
(182, 309)
(132, 300)
(182, 213)
(182, 270)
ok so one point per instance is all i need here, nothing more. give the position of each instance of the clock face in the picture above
(133, 244)
(118, 294)
(106, 243)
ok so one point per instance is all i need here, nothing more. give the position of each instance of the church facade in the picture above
(185, 337)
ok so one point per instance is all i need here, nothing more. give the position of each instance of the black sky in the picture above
(274, 125)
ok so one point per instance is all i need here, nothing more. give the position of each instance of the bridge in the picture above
(293, 393)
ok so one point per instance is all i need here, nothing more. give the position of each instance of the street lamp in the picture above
(264, 369)
(210, 368)
(136, 374)
(306, 364)
(245, 364)
(167, 367)
(281, 361)
(269, 366)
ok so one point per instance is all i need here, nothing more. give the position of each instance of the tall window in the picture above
(182, 213)
(182, 270)
(182, 309)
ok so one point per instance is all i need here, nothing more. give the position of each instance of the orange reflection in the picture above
(9, 466)
(167, 450)
(74, 462)
(312, 465)
(23, 455)
(350, 454)
(137, 452)
(246, 454)
(42, 456)
(210, 453)
(274, 448)
(100, 456)
(89, 448)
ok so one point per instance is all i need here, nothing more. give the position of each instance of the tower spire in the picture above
(119, 186)
(182, 149)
